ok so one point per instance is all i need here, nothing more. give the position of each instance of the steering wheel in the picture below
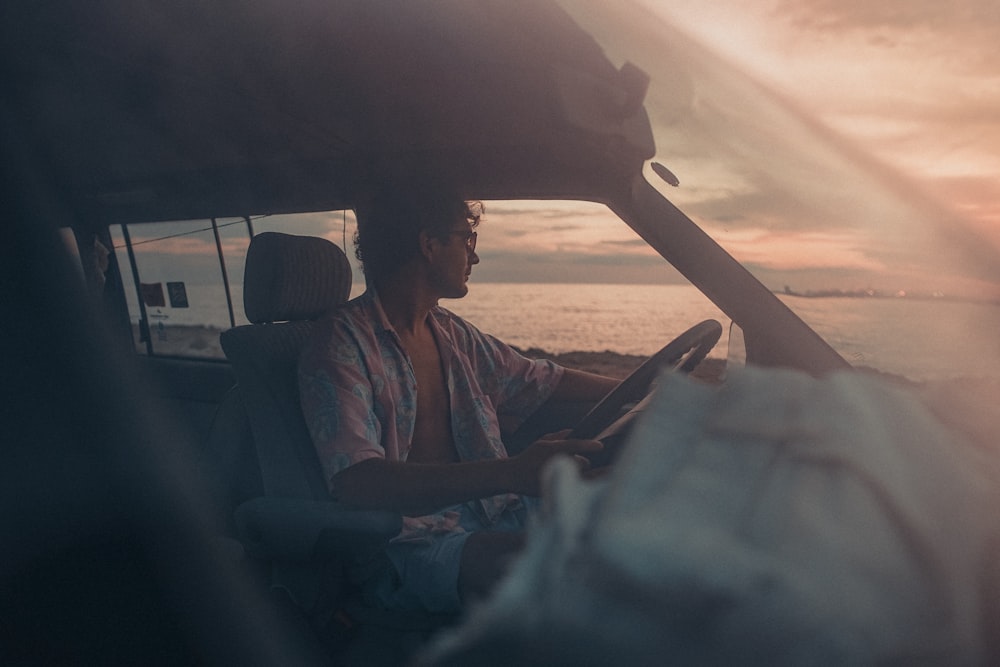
(682, 354)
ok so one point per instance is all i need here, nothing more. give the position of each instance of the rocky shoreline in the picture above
(617, 365)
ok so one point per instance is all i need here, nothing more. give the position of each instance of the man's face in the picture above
(455, 261)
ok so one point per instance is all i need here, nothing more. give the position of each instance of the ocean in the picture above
(919, 339)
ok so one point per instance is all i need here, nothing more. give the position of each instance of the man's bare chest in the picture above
(432, 435)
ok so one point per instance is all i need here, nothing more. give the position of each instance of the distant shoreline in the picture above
(878, 294)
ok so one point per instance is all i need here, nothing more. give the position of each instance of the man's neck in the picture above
(406, 302)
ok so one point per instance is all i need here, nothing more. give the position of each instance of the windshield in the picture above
(845, 156)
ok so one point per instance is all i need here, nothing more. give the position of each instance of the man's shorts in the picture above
(423, 576)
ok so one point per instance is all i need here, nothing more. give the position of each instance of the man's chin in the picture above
(458, 293)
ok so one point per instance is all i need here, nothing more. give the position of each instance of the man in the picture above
(403, 398)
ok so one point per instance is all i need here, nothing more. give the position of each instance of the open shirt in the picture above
(359, 395)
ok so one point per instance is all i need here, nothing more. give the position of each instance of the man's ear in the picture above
(427, 244)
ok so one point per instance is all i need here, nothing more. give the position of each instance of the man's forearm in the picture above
(582, 386)
(426, 487)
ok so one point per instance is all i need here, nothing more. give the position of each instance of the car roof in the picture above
(180, 109)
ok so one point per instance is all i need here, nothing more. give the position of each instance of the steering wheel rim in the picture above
(684, 353)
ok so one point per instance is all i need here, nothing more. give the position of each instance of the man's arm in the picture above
(420, 488)
(582, 386)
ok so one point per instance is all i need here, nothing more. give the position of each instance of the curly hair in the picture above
(390, 222)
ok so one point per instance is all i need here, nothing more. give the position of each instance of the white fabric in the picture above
(779, 519)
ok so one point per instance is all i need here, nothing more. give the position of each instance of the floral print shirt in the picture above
(359, 395)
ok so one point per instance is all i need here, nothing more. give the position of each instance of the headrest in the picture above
(293, 277)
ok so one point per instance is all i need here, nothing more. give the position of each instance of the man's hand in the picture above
(528, 464)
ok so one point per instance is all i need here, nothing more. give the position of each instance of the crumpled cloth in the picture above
(777, 519)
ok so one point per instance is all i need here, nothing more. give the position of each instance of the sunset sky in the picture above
(913, 83)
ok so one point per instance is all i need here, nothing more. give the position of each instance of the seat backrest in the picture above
(289, 281)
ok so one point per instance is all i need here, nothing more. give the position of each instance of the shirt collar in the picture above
(373, 309)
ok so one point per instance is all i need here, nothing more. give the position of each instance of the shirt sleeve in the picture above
(337, 403)
(516, 384)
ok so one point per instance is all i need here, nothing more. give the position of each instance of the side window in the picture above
(183, 280)
(176, 285)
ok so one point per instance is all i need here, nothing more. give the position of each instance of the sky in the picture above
(825, 144)
(913, 85)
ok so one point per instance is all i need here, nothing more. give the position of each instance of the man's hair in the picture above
(390, 222)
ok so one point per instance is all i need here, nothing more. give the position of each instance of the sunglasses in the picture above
(470, 237)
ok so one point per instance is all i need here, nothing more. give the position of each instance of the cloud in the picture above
(627, 243)
(186, 245)
(783, 250)
(853, 15)
(575, 267)
(533, 209)
(913, 79)
(536, 225)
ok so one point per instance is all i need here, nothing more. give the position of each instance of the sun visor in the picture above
(611, 111)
